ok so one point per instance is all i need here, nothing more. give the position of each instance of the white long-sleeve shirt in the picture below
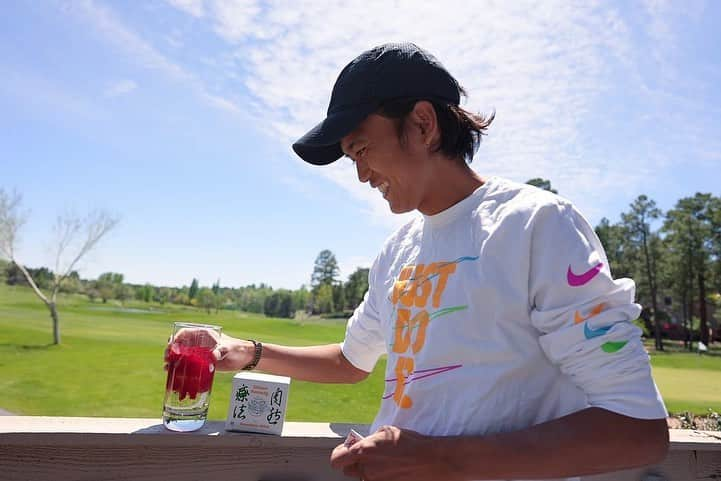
(497, 314)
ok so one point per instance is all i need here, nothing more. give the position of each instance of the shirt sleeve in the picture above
(364, 342)
(584, 315)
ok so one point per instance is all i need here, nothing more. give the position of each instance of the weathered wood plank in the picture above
(47, 424)
(50, 448)
(177, 463)
(46, 448)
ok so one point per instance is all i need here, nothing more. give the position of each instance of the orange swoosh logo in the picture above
(578, 318)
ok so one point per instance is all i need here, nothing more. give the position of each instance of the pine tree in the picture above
(646, 242)
(325, 270)
(193, 291)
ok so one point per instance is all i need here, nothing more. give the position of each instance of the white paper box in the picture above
(258, 403)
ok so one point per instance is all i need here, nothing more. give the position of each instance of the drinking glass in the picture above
(191, 366)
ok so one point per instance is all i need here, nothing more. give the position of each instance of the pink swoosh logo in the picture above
(422, 374)
(575, 280)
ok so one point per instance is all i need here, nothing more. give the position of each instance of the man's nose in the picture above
(364, 173)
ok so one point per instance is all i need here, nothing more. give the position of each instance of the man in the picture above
(511, 354)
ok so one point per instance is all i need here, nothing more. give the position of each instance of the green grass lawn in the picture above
(688, 381)
(110, 363)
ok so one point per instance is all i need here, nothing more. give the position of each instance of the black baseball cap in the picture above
(389, 71)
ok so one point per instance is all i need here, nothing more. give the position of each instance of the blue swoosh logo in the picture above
(591, 333)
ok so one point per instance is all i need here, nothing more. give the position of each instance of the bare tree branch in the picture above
(11, 220)
(67, 229)
(30, 280)
(96, 225)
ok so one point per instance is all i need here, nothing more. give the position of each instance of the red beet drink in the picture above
(191, 367)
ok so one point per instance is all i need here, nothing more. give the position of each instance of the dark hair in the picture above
(461, 131)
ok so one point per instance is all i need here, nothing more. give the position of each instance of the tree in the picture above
(714, 221)
(675, 275)
(218, 296)
(206, 299)
(105, 292)
(339, 299)
(92, 294)
(301, 298)
(75, 237)
(162, 295)
(356, 287)
(542, 184)
(324, 299)
(252, 299)
(72, 285)
(180, 297)
(42, 276)
(112, 278)
(689, 237)
(325, 273)
(637, 225)
(108, 285)
(618, 251)
(4, 265)
(193, 291)
(280, 304)
(325, 270)
(146, 293)
(124, 293)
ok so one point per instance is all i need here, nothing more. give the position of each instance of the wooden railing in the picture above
(57, 449)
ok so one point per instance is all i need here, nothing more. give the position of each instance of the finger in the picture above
(207, 338)
(220, 352)
(385, 429)
(342, 457)
(199, 336)
(179, 336)
(189, 336)
(387, 433)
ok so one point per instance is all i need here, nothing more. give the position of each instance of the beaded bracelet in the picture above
(256, 357)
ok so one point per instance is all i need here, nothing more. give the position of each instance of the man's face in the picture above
(396, 170)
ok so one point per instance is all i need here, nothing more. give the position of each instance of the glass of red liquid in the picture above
(191, 367)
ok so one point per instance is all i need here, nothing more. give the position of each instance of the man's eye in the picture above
(361, 152)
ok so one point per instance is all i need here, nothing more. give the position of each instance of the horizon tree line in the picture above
(674, 257)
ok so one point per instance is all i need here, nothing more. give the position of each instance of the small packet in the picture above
(352, 438)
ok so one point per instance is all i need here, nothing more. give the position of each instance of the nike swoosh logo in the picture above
(422, 374)
(578, 318)
(591, 333)
(611, 346)
(575, 280)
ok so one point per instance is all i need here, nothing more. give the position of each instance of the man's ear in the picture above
(424, 118)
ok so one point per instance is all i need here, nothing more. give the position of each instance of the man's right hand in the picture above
(231, 354)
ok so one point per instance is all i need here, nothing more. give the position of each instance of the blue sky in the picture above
(178, 116)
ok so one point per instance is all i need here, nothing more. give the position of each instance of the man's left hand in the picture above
(392, 454)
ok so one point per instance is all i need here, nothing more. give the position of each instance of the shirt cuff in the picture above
(358, 355)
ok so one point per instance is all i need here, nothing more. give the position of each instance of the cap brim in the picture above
(321, 145)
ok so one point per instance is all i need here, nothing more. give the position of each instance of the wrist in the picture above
(456, 454)
(254, 350)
